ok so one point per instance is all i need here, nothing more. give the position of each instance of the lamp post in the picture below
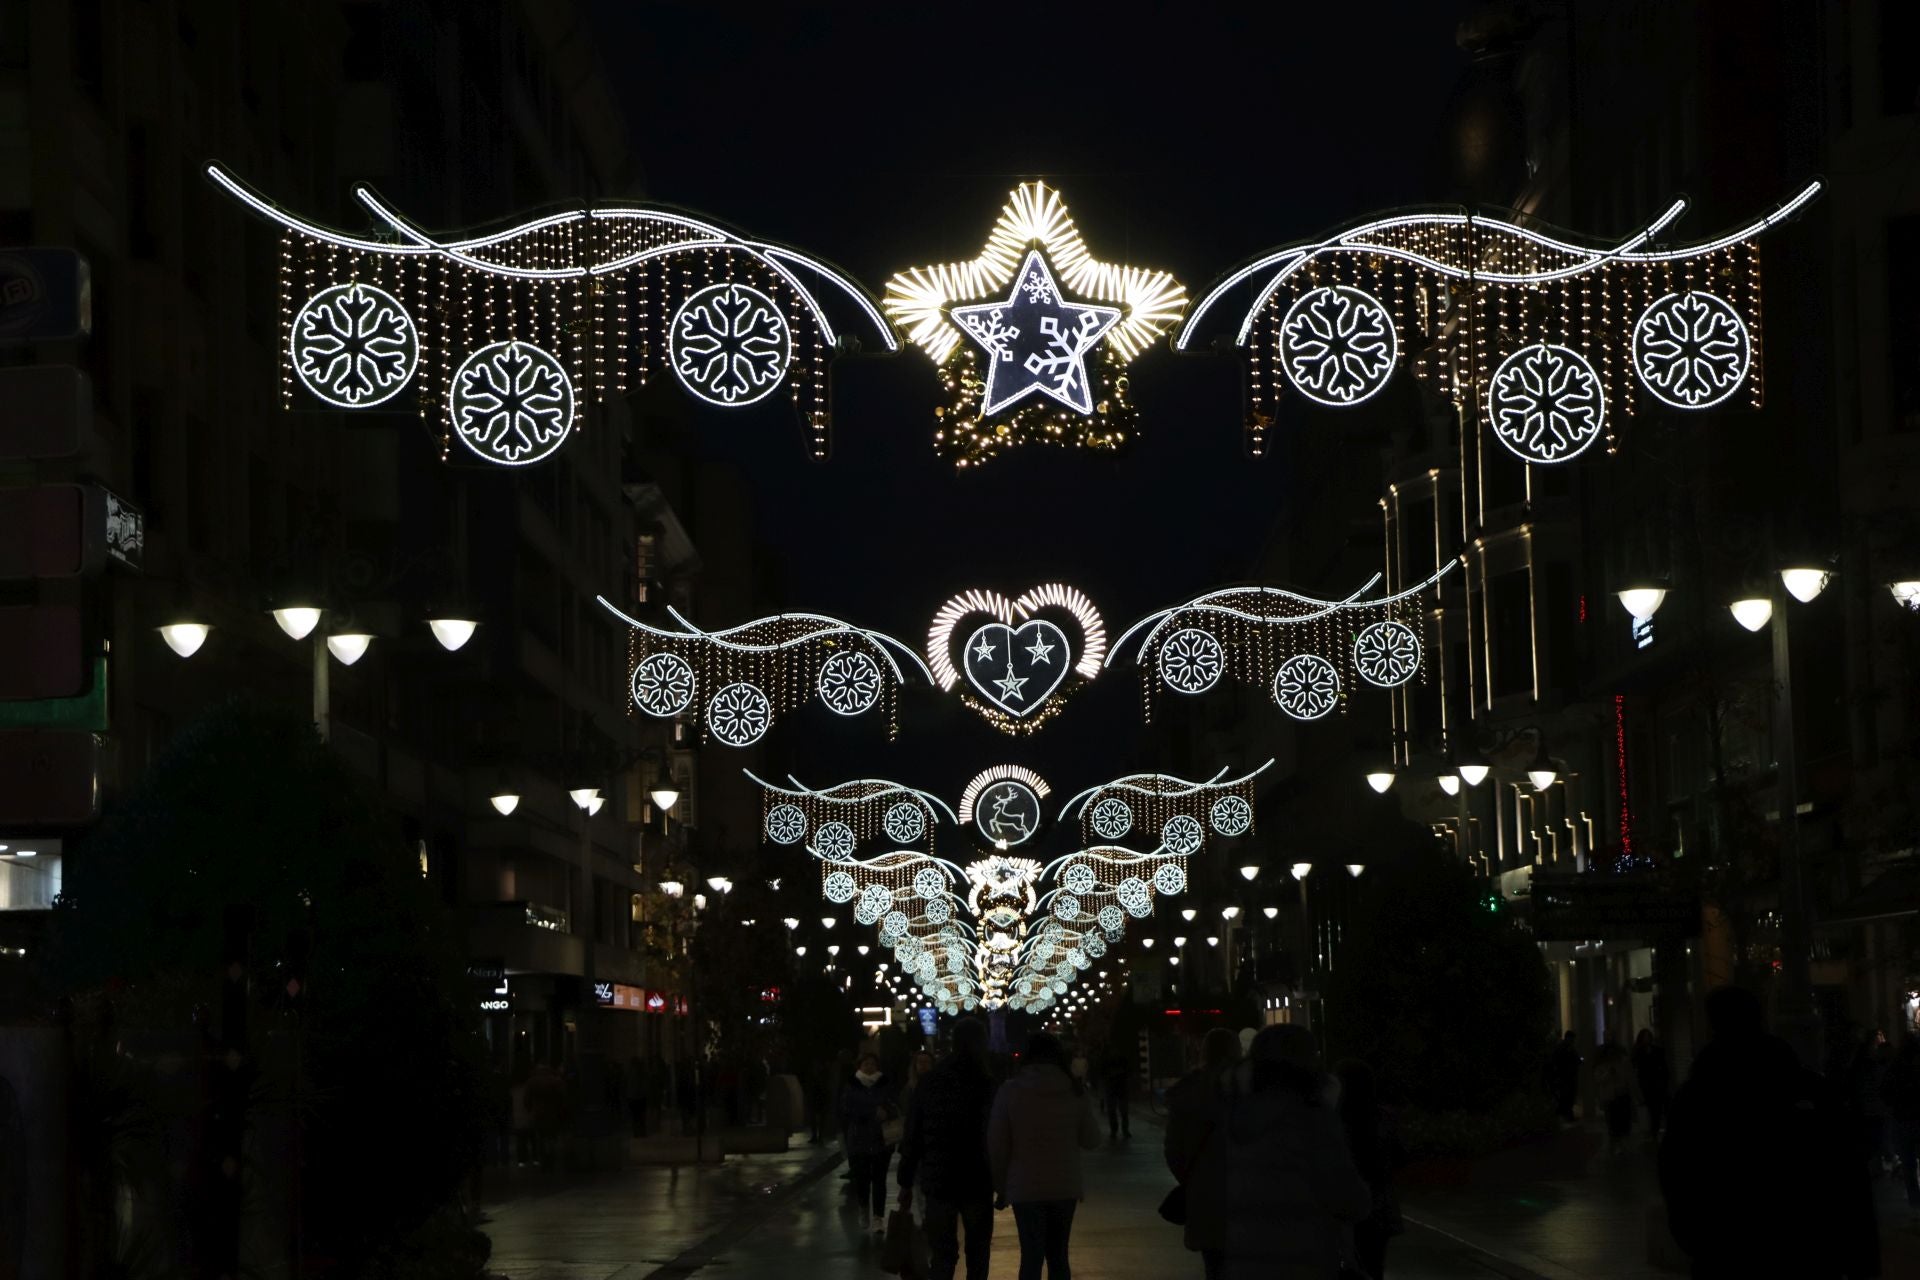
(1796, 968)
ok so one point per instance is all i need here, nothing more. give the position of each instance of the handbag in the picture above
(891, 1131)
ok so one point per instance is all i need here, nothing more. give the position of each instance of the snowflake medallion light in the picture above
(729, 345)
(904, 823)
(833, 841)
(1545, 403)
(1033, 337)
(929, 883)
(1182, 834)
(1231, 815)
(1191, 661)
(1307, 686)
(850, 683)
(838, 887)
(1111, 818)
(1691, 350)
(786, 824)
(1387, 654)
(511, 403)
(738, 715)
(1338, 344)
(354, 345)
(1169, 878)
(663, 684)
(1135, 896)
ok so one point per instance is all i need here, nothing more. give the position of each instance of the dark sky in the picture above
(1184, 136)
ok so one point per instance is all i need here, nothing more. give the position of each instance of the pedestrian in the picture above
(944, 1154)
(917, 1068)
(1196, 1105)
(1900, 1091)
(1613, 1086)
(1651, 1074)
(1563, 1076)
(1293, 1194)
(1116, 1082)
(1757, 1166)
(547, 1107)
(1374, 1143)
(869, 1102)
(1042, 1119)
(523, 1139)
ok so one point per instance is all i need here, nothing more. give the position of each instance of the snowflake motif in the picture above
(1078, 878)
(354, 345)
(738, 715)
(1066, 907)
(1169, 878)
(786, 824)
(1182, 834)
(1038, 288)
(511, 403)
(1036, 340)
(1691, 350)
(938, 912)
(729, 344)
(905, 823)
(1112, 818)
(1546, 403)
(1387, 654)
(1113, 920)
(838, 887)
(1078, 958)
(875, 901)
(929, 883)
(1306, 686)
(663, 684)
(849, 683)
(1191, 661)
(893, 927)
(1094, 945)
(1231, 815)
(1135, 896)
(1338, 344)
(833, 841)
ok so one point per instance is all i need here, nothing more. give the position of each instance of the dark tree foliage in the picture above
(1446, 996)
(364, 1075)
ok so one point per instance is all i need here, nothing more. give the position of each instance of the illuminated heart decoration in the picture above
(1017, 668)
(1015, 660)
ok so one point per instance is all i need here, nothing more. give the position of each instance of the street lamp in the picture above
(1752, 612)
(452, 632)
(720, 884)
(1301, 870)
(1805, 585)
(1642, 601)
(1907, 593)
(1543, 775)
(593, 805)
(1179, 941)
(1271, 913)
(1380, 780)
(1474, 772)
(583, 797)
(1355, 868)
(672, 888)
(505, 802)
(1228, 913)
(826, 922)
(297, 620)
(1449, 781)
(1187, 914)
(348, 647)
(792, 923)
(664, 798)
(185, 638)
(1147, 943)
(1249, 873)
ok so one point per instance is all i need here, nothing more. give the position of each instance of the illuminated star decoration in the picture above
(1034, 312)
(1010, 685)
(1036, 340)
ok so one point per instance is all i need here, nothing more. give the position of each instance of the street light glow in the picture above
(185, 638)
(1380, 780)
(505, 803)
(583, 796)
(349, 646)
(452, 632)
(298, 621)
(1449, 783)
(1805, 585)
(1643, 602)
(1301, 870)
(1752, 613)
(1474, 774)
(664, 798)
(1269, 912)
(1248, 873)
(1543, 776)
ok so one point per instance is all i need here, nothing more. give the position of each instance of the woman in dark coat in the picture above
(869, 1103)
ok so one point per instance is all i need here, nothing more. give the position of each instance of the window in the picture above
(1510, 632)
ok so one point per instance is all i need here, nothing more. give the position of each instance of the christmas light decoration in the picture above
(1003, 804)
(1387, 654)
(1460, 292)
(761, 669)
(1011, 307)
(1545, 403)
(605, 293)
(1306, 686)
(1016, 655)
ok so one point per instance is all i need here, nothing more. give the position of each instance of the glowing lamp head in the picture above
(800, 951)
(593, 806)
(1907, 593)
(1752, 613)
(1474, 774)
(834, 949)
(1355, 868)
(1270, 912)
(349, 647)
(720, 884)
(1249, 873)
(1188, 914)
(185, 638)
(793, 922)
(1147, 943)
(672, 888)
(1301, 870)
(1643, 602)
(452, 632)
(583, 797)
(1804, 585)
(826, 922)
(1449, 783)
(1213, 941)
(1543, 776)
(1180, 940)
(1380, 780)
(1228, 913)
(505, 803)
(664, 798)
(298, 621)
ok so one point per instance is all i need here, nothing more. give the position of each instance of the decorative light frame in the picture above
(1089, 658)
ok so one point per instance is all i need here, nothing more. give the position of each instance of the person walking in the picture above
(1757, 1166)
(944, 1154)
(868, 1104)
(1376, 1150)
(1563, 1076)
(1041, 1120)
(918, 1066)
(1651, 1074)
(1613, 1086)
(1196, 1106)
(1116, 1082)
(1293, 1193)
(1900, 1092)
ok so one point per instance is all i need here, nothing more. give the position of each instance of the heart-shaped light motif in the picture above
(1017, 668)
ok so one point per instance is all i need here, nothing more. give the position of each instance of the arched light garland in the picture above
(1145, 804)
(872, 809)
(590, 300)
(1458, 293)
(1309, 654)
(1018, 289)
(908, 897)
(735, 682)
(1096, 891)
(1016, 657)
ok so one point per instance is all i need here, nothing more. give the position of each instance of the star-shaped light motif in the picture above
(983, 650)
(1036, 340)
(1040, 649)
(1010, 685)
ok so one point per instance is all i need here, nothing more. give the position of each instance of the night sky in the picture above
(886, 136)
